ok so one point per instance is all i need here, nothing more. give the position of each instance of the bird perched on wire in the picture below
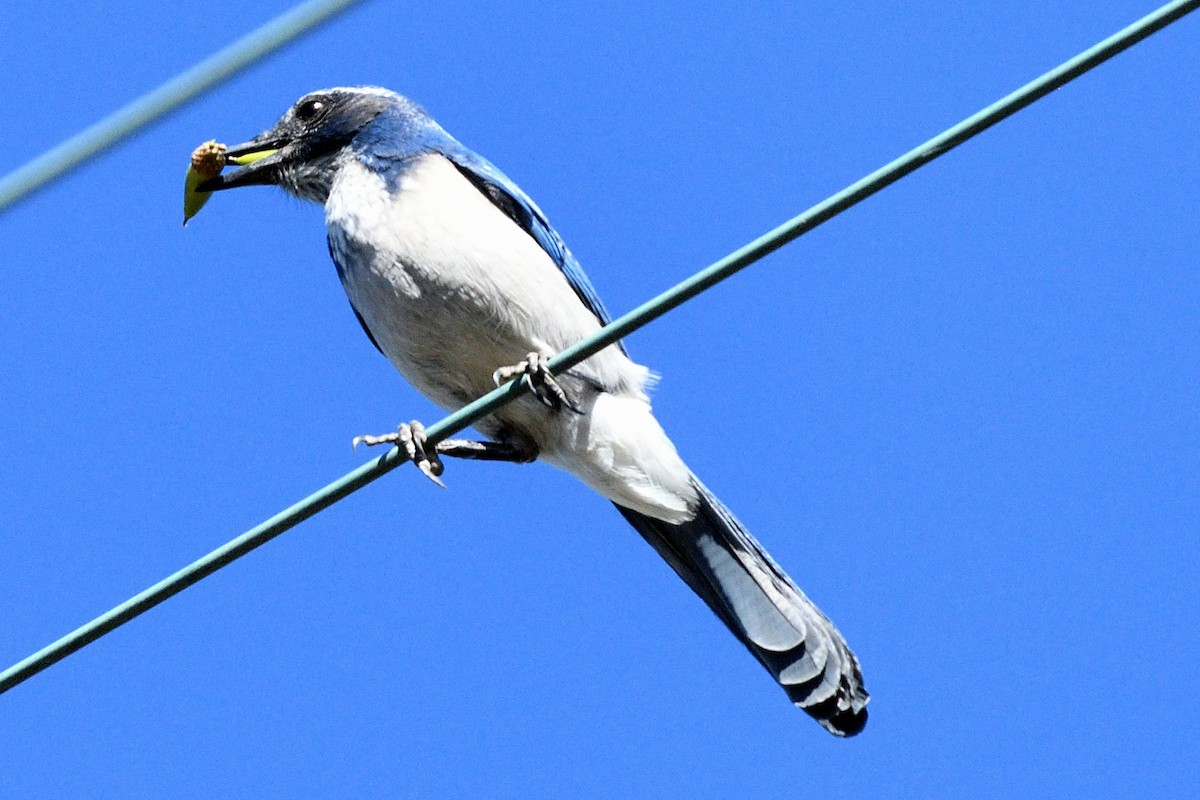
(457, 277)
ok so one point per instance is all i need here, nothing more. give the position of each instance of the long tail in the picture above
(764, 609)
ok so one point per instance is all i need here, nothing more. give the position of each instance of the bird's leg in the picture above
(515, 452)
(412, 439)
(541, 381)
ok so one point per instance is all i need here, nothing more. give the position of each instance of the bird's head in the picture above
(303, 150)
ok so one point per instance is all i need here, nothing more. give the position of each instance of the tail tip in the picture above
(845, 723)
(840, 719)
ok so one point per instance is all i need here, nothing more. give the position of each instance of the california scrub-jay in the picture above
(453, 272)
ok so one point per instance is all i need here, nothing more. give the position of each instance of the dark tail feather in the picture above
(764, 609)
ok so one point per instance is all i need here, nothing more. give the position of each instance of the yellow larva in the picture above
(207, 162)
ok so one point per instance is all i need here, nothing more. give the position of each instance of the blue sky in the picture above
(963, 415)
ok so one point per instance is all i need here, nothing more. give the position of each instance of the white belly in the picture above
(451, 289)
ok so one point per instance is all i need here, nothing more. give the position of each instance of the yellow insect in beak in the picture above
(207, 162)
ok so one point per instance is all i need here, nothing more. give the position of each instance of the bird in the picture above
(460, 281)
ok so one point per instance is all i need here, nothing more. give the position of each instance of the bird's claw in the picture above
(541, 381)
(410, 437)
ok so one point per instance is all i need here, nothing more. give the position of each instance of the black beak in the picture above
(259, 160)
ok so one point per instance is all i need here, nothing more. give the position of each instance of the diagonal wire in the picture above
(768, 243)
(126, 121)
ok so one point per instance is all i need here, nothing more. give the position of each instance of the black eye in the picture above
(310, 110)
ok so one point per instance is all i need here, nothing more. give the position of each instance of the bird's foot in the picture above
(410, 437)
(541, 381)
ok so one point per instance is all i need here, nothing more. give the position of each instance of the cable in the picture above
(97, 138)
(855, 193)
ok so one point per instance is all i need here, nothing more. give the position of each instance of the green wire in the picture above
(626, 324)
(97, 138)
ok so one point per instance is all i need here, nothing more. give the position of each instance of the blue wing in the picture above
(517, 206)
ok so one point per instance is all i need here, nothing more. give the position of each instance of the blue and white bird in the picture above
(455, 273)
